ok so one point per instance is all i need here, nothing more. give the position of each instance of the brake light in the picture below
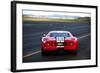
(69, 43)
(49, 44)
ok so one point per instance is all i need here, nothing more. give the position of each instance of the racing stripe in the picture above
(60, 39)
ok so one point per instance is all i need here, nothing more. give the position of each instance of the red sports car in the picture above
(59, 40)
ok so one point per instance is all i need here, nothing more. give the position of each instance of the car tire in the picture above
(43, 53)
(74, 52)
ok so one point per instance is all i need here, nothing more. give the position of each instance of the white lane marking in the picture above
(32, 54)
(83, 36)
(40, 51)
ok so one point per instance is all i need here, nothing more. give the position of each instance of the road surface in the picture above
(33, 31)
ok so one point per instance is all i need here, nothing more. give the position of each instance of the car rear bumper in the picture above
(69, 46)
(60, 48)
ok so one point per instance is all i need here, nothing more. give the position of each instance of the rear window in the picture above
(59, 35)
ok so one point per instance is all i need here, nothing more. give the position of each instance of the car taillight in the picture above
(49, 44)
(69, 43)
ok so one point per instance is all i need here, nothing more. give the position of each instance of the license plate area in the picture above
(60, 44)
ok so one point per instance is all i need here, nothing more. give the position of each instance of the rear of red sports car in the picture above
(59, 40)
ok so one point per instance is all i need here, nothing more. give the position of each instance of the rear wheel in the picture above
(43, 52)
(74, 52)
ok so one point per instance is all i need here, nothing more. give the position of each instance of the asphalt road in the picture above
(33, 31)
